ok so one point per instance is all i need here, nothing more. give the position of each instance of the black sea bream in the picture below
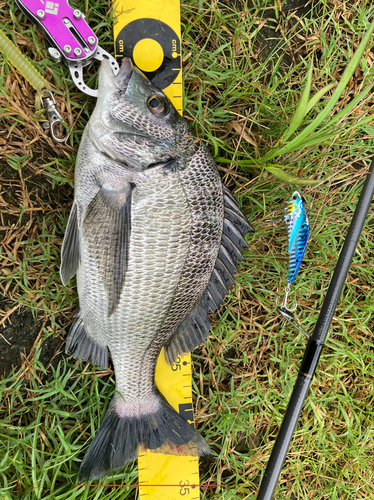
(153, 237)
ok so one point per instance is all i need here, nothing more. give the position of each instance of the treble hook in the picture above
(284, 303)
(54, 117)
(288, 313)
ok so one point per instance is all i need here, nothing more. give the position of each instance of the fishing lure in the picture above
(297, 224)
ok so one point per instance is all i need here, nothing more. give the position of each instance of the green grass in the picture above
(241, 95)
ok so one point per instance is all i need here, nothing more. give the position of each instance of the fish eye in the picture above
(294, 197)
(157, 105)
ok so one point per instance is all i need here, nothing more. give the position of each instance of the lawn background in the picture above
(246, 65)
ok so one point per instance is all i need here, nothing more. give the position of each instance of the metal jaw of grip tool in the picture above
(72, 40)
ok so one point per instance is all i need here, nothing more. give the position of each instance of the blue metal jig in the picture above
(298, 232)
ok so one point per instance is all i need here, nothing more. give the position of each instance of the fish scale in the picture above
(146, 297)
(154, 239)
(202, 186)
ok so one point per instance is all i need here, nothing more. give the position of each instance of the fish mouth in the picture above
(125, 73)
(121, 81)
(110, 84)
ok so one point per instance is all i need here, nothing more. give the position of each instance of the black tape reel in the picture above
(148, 28)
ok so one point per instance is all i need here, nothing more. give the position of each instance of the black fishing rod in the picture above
(316, 342)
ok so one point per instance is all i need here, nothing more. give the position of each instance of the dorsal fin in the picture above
(195, 328)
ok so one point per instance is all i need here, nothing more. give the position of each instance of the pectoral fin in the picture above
(107, 230)
(70, 248)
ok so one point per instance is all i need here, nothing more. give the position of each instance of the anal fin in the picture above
(193, 331)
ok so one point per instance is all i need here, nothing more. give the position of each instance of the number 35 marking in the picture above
(184, 491)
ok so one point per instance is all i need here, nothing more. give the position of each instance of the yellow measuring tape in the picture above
(148, 31)
(157, 468)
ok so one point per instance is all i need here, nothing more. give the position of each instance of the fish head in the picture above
(293, 204)
(295, 196)
(135, 122)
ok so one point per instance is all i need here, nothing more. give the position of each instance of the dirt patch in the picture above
(19, 340)
(274, 37)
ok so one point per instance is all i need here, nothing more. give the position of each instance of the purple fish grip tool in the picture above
(71, 39)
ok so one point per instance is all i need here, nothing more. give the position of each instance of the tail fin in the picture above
(120, 438)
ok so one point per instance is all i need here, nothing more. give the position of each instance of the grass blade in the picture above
(291, 179)
(299, 141)
(302, 107)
